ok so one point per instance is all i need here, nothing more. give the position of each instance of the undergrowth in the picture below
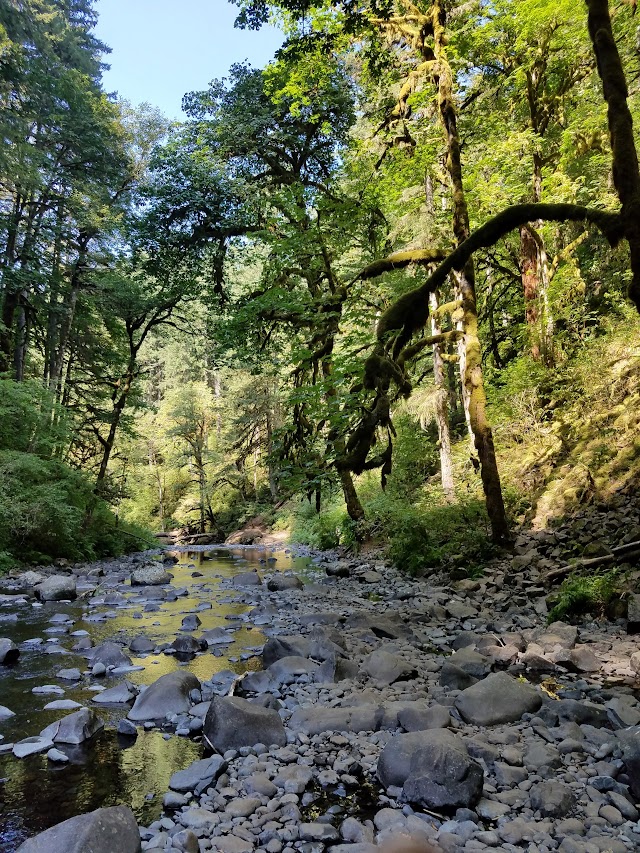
(579, 595)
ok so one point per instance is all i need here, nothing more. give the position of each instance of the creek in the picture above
(36, 794)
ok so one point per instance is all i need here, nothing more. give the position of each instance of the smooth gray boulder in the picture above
(280, 582)
(434, 769)
(6, 713)
(385, 668)
(56, 588)
(109, 654)
(168, 695)
(232, 722)
(150, 576)
(120, 695)
(247, 579)
(289, 669)
(185, 644)
(498, 698)
(284, 647)
(31, 746)
(9, 652)
(198, 776)
(141, 644)
(315, 720)
(75, 728)
(102, 831)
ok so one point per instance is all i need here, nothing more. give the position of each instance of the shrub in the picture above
(578, 595)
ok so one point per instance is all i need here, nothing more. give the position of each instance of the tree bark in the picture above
(626, 174)
(472, 375)
(442, 407)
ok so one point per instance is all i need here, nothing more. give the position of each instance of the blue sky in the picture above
(164, 48)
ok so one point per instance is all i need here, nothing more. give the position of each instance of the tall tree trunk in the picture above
(472, 378)
(355, 509)
(442, 406)
(626, 174)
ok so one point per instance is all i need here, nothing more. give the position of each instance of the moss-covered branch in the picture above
(408, 312)
(398, 260)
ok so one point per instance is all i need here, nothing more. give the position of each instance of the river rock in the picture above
(313, 720)
(284, 647)
(433, 768)
(247, 579)
(57, 756)
(551, 798)
(150, 576)
(102, 831)
(5, 713)
(217, 637)
(199, 775)
(69, 674)
(120, 695)
(169, 694)
(31, 746)
(56, 588)
(9, 652)
(385, 668)
(280, 582)
(190, 622)
(185, 644)
(232, 722)
(109, 654)
(289, 669)
(498, 698)
(141, 644)
(74, 728)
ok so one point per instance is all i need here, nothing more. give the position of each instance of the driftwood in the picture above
(619, 554)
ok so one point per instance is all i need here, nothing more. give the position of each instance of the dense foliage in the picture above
(310, 299)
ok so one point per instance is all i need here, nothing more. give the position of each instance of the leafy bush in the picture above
(579, 595)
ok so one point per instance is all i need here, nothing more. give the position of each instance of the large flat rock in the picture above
(498, 698)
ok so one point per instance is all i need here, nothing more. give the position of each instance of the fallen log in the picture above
(619, 554)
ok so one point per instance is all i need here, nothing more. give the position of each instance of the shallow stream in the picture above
(36, 794)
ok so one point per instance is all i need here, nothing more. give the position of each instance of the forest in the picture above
(384, 289)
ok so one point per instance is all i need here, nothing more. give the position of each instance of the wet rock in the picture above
(232, 722)
(169, 694)
(57, 757)
(386, 668)
(31, 746)
(187, 645)
(120, 695)
(109, 654)
(5, 713)
(247, 579)
(150, 576)
(75, 728)
(101, 831)
(9, 652)
(69, 674)
(126, 728)
(198, 776)
(141, 645)
(498, 698)
(280, 582)
(57, 588)
(191, 622)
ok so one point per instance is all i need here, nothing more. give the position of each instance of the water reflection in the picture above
(35, 794)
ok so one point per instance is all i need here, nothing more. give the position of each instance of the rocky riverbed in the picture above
(446, 711)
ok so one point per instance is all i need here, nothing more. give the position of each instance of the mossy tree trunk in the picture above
(626, 174)
(442, 406)
(465, 280)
